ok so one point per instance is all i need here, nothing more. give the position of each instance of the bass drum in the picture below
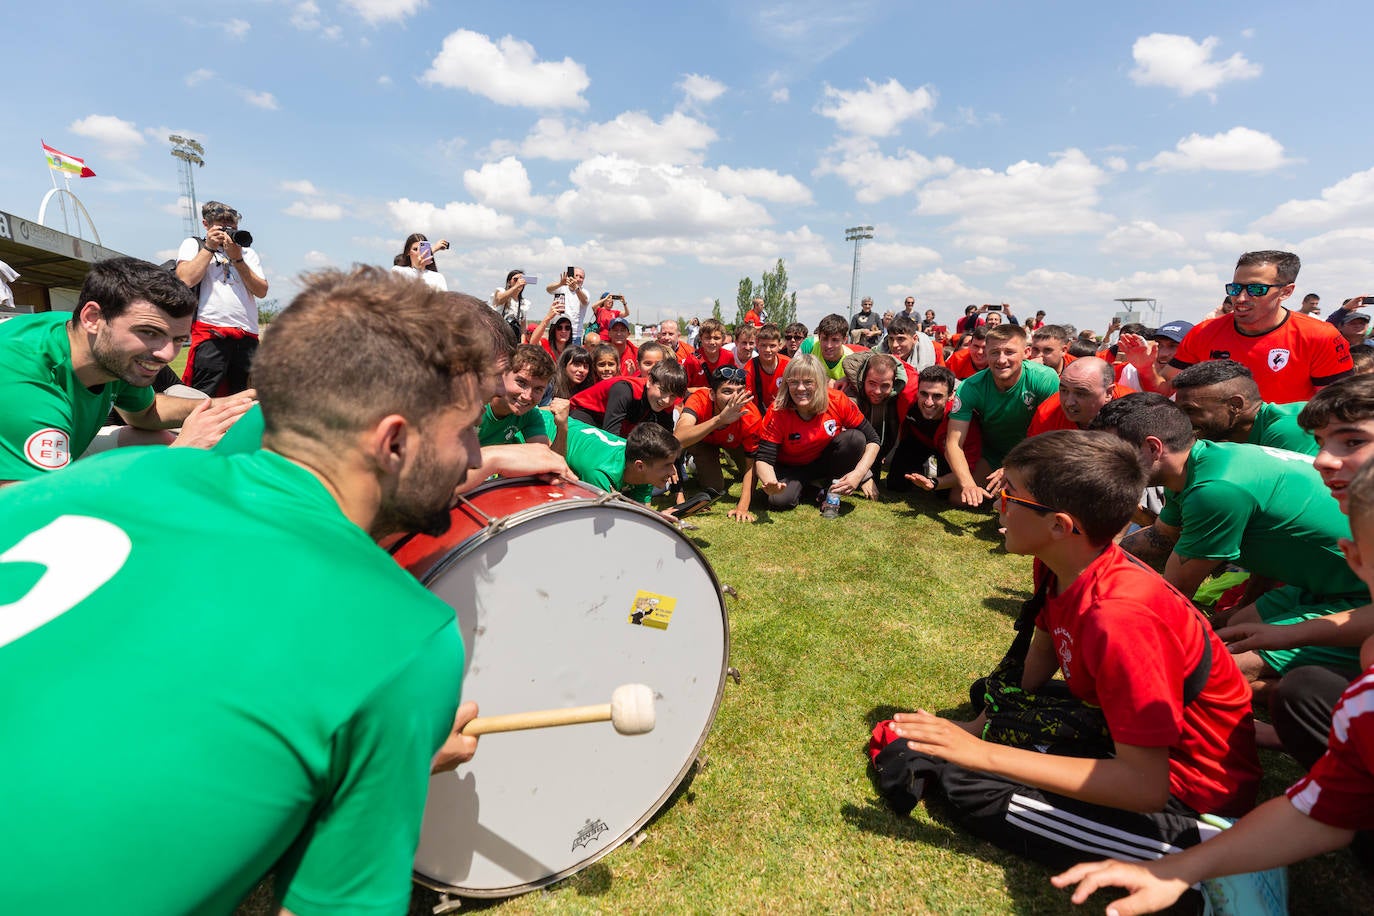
(563, 593)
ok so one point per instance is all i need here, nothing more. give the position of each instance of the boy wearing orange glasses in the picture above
(1150, 727)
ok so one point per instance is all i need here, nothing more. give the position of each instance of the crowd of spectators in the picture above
(1134, 465)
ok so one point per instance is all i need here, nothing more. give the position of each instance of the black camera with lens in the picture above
(242, 237)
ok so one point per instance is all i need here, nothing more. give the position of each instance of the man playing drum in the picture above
(286, 719)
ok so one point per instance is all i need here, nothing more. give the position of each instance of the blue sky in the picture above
(1053, 157)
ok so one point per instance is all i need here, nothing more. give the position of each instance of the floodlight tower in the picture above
(190, 152)
(856, 234)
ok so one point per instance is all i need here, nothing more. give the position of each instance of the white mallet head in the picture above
(632, 709)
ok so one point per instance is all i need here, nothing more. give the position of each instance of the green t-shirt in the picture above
(210, 670)
(1267, 510)
(598, 458)
(1004, 416)
(245, 435)
(1276, 425)
(834, 370)
(49, 417)
(514, 427)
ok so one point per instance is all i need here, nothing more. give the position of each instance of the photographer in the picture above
(228, 274)
(571, 281)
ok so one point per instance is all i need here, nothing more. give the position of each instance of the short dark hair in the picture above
(796, 327)
(832, 324)
(978, 333)
(533, 358)
(770, 331)
(1139, 416)
(939, 374)
(354, 347)
(882, 361)
(1286, 263)
(1216, 372)
(1349, 401)
(1311, 297)
(652, 346)
(1363, 359)
(1081, 347)
(650, 442)
(1094, 477)
(1051, 332)
(1135, 327)
(669, 376)
(116, 283)
(903, 324)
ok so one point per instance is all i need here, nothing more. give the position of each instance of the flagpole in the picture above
(67, 180)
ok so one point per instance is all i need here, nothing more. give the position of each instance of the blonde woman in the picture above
(812, 434)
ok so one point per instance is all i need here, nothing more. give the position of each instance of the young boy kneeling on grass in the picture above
(1319, 813)
(1179, 738)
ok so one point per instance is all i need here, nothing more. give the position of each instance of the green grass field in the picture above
(838, 624)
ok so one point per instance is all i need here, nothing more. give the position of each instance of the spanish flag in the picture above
(68, 165)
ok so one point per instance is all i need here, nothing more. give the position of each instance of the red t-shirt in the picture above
(752, 317)
(617, 405)
(1339, 789)
(961, 364)
(1289, 363)
(1050, 416)
(699, 370)
(629, 359)
(742, 434)
(802, 441)
(763, 386)
(1126, 640)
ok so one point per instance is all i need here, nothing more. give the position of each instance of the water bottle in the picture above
(831, 507)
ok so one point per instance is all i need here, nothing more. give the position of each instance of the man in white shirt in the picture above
(224, 336)
(571, 281)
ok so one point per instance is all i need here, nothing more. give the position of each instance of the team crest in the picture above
(1278, 358)
(830, 427)
(1028, 398)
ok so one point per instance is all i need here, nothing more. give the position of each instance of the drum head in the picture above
(558, 607)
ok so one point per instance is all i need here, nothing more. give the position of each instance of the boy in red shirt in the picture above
(1319, 813)
(722, 418)
(973, 358)
(618, 405)
(627, 352)
(710, 354)
(746, 342)
(761, 374)
(1174, 704)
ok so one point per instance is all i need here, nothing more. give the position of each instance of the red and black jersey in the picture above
(629, 359)
(1339, 789)
(1289, 362)
(763, 385)
(617, 405)
(788, 439)
(741, 434)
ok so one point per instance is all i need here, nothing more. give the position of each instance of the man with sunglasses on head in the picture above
(719, 419)
(228, 274)
(1164, 729)
(1291, 354)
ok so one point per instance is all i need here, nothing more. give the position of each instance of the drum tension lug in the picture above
(733, 672)
(447, 904)
(638, 839)
(730, 590)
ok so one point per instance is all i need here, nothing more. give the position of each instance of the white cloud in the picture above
(306, 16)
(859, 163)
(1029, 198)
(507, 72)
(300, 187)
(383, 80)
(1183, 293)
(1115, 163)
(317, 259)
(263, 100)
(780, 95)
(624, 199)
(177, 209)
(504, 185)
(1240, 149)
(987, 244)
(942, 290)
(452, 221)
(1142, 238)
(700, 90)
(118, 139)
(319, 210)
(744, 249)
(893, 254)
(1233, 244)
(375, 11)
(237, 28)
(765, 184)
(1350, 200)
(678, 138)
(985, 265)
(1179, 63)
(196, 77)
(878, 110)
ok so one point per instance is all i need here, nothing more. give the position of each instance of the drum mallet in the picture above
(631, 711)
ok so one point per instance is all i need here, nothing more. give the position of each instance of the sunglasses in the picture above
(1030, 504)
(792, 337)
(1254, 289)
(729, 374)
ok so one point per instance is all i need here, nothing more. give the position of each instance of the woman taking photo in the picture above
(416, 261)
(813, 434)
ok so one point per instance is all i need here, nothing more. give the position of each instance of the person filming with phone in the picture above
(416, 261)
(572, 281)
(226, 272)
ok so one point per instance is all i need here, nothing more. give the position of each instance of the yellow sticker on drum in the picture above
(651, 610)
